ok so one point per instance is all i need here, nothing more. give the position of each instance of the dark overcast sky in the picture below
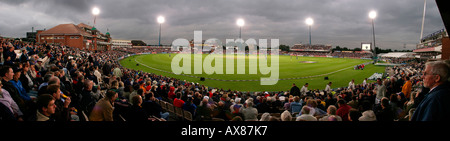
(336, 22)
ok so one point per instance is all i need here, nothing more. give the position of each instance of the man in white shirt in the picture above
(381, 91)
(328, 88)
(304, 89)
(365, 82)
(351, 84)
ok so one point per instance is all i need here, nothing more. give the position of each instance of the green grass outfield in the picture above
(341, 70)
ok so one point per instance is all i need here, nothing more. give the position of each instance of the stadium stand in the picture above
(84, 77)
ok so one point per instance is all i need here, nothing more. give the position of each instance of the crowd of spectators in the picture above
(352, 54)
(59, 83)
(313, 47)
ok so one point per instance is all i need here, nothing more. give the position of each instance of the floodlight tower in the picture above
(160, 20)
(240, 23)
(95, 12)
(373, 15)
(309, 22)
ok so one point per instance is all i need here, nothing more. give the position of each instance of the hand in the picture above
(67, 102)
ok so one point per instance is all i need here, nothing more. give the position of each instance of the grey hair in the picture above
(249, 103)
(439, 68)
(332, 110)
(265, 117)
(286, 116)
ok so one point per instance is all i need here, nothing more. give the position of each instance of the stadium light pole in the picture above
(240, 23)
(373, 15)
(309, 22)
(95, 12)
(160, 20)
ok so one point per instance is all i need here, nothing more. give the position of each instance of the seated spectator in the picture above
(287, 105)
(103, 110)
(250, 113)
(286, 116)
(368, 116)
(10, 105)
(386, 113)
(154, 109)
(305, 115)
(62, 112)
(204, 111)
(139, 92)
(331, 111)
(343, 110)
(177, 102)
(265, 117)
(189, 105)
(45, 108)
(88, 100)
(354, 115)
(296, 106)
(136, 112)
(18, 85)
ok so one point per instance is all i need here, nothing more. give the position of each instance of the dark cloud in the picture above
(337, 22)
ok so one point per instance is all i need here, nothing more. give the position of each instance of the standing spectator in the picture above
(351, 84)
(295, 91)
(328, 88)
(365, 82)
(435, 105)
(407, 87)
(304, 89)
(381, 91)
(103, 110)
(343, 110)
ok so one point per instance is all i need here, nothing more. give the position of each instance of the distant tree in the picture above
(284, 47)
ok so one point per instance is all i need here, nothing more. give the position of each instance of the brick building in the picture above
(81, 36)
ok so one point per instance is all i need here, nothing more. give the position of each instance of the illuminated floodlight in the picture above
(309, 21)
(161, 19)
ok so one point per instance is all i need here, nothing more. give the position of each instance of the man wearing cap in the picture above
(40, 65)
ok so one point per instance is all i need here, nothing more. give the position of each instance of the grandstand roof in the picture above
(430, 49)
(65, 29)
(399, 55)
